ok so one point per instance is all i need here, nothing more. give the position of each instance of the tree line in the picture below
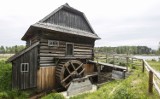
(11, 49)
(127, 50)
(118, 50)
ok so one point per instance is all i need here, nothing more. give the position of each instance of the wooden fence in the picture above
(152, 75)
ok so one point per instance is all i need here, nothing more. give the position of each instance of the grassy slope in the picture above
(134, 87)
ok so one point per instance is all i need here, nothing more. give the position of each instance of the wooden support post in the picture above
(106, 58)
(127, 59)
(150, 84)
(124, 74)
(132, 62)
(142, 66)
(113, 60)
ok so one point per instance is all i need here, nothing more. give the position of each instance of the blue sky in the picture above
(117, 22)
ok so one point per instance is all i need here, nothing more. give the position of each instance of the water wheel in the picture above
(67, 71)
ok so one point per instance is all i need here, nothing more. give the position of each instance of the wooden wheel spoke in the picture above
(66, 78)
(82, 71)
(67, 84)
(68, 69)
(79, 67)
(72, 65)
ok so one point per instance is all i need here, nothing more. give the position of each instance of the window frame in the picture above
(72, 50)
(49, 41)
(26, 65)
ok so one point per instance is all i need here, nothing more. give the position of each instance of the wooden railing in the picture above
(152, 75)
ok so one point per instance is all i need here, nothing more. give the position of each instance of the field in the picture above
(133, 87)
(5, 56)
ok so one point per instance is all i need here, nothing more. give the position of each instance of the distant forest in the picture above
(11, 49)
(127, 50)
(118, 50)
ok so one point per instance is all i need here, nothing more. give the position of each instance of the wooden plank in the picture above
(51, 64)
(47, 76)
(46, 58)
(82, 53)
(52, 51)
(82, 50)
(39, 79)
(47, 55)
(84, 45)
(156, 86)
(52, 48)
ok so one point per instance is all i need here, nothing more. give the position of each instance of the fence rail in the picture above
(152, 75)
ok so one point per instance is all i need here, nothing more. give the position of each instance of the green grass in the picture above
(53, 96)
(154, 64)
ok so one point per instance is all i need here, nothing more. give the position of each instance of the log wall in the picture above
(48, 53)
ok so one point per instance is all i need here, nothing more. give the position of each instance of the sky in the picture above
(117, 22)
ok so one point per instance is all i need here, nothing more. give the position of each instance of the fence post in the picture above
(113, 60)
(143, 66)
(150, 85)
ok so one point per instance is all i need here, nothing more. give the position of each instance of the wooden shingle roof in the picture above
(65, 19)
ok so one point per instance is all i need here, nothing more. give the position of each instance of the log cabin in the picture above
(58, 48)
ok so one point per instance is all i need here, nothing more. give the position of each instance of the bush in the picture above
(5, 76)
(122, 64)
(111, 62)
(153, 60)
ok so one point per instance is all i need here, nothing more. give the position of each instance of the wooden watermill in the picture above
(66, 35)
(67, 71)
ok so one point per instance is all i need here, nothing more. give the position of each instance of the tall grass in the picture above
(6, 91)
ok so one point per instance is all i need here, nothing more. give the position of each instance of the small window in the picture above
(53, 43)
(24, 67)
(69, 49)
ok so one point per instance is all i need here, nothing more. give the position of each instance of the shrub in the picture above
(5, 76)
(122, 64)
(153, 60)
